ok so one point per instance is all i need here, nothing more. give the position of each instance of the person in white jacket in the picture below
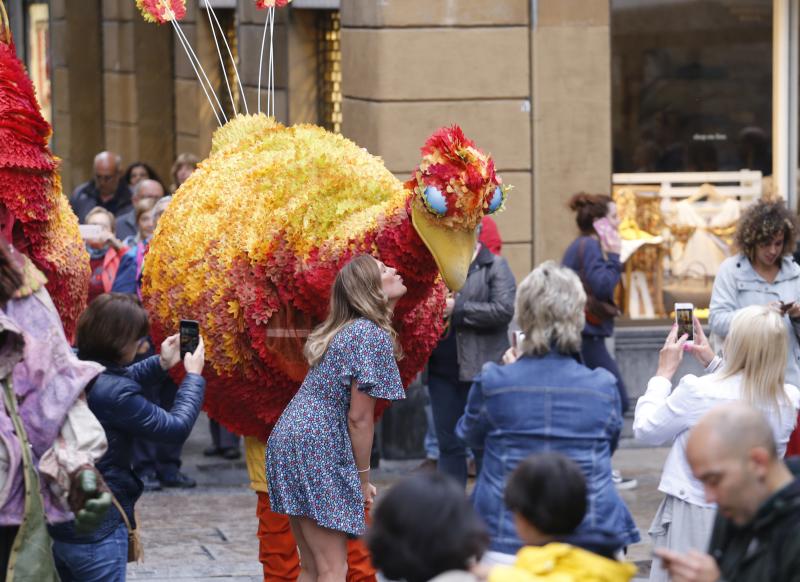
(752, 370)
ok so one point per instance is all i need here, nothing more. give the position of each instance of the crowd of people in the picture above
(521, 384)
(126, 204)
(541, 412)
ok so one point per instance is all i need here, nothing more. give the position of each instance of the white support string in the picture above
(233, 61)
(219, 54)
(188, 46)
(271, 91)
(191, 62)
(261, 61)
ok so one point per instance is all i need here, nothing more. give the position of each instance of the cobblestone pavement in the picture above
(207, 534)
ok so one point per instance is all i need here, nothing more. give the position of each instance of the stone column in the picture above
(411, 66)
(76, 53)
(571, 87)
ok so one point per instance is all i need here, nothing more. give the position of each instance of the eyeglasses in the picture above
(108, 178)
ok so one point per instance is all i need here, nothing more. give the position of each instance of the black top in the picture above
(87, 196)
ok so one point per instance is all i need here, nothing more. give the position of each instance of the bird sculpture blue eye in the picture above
(435, 200)
(497, 200)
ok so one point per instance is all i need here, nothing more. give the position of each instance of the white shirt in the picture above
(662, 417)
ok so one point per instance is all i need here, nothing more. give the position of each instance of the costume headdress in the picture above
(455, 186)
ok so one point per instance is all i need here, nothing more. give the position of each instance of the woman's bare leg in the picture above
(329, 548)
(308, 568)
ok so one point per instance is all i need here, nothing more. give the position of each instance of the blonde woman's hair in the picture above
(550, 302)
(757, 347)
(112, 220)
(356, 292)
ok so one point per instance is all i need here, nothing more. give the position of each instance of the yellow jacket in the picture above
(561, 563)
(255, 457)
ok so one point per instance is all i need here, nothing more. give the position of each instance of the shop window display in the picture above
(691, 92)
(691, 85)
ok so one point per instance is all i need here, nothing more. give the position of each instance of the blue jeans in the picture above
(448, 400)
(431, 444)
(595, 355)
(103, 561)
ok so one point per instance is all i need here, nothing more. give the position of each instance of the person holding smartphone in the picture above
(753, 372)
(594, 256)
(762, 273)
(108, 333)
(105, 251)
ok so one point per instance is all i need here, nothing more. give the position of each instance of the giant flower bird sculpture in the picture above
(252, 241)
(34, 213)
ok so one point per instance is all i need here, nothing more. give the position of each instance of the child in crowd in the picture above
(547, 494)
(425, 529)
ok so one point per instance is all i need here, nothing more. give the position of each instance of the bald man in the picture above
(126, 223)
(756, 535)
(105, 189)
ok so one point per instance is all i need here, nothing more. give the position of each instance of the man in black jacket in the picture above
(478, 318)
(756, 535)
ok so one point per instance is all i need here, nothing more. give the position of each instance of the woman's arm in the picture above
(361, 426)
(473, 425)
(498, 310)
(661, 416)
(140, 416)
(147, 372)
(602, 274)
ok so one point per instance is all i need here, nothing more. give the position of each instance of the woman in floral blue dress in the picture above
(318, 453)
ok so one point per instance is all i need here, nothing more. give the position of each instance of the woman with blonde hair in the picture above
(544, 399)
(318, 453)
(753, 370)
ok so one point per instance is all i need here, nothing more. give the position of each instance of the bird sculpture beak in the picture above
(452, 249)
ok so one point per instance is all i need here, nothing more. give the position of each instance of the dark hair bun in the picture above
(588, 208)
(581, 200)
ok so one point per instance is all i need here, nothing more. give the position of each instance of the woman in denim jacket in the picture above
(547, 401)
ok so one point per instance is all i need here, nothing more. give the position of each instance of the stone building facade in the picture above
(529, 81)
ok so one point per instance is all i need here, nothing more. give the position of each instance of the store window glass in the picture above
(692, 85)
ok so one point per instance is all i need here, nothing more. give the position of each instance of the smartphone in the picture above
(190, 336)
(90, 231)
(607, 232)
(516, 339)
(786, 306)
(684, 317)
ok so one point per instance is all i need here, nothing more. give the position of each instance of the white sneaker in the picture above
(623, 483)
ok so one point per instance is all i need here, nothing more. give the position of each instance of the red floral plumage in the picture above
(36, 214)
(262, 4)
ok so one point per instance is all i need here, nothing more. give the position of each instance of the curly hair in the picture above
(761, 223)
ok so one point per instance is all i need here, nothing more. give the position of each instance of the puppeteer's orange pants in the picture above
(277, 549)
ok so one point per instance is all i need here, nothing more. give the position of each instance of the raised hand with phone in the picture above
(608, 233)
(686, 335)
(172, 352)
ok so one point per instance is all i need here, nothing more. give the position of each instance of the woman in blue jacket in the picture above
(109, 332)
(547, 401)
(594, 255)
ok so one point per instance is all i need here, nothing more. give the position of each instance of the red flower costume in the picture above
(252, 242)
(34, 214)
